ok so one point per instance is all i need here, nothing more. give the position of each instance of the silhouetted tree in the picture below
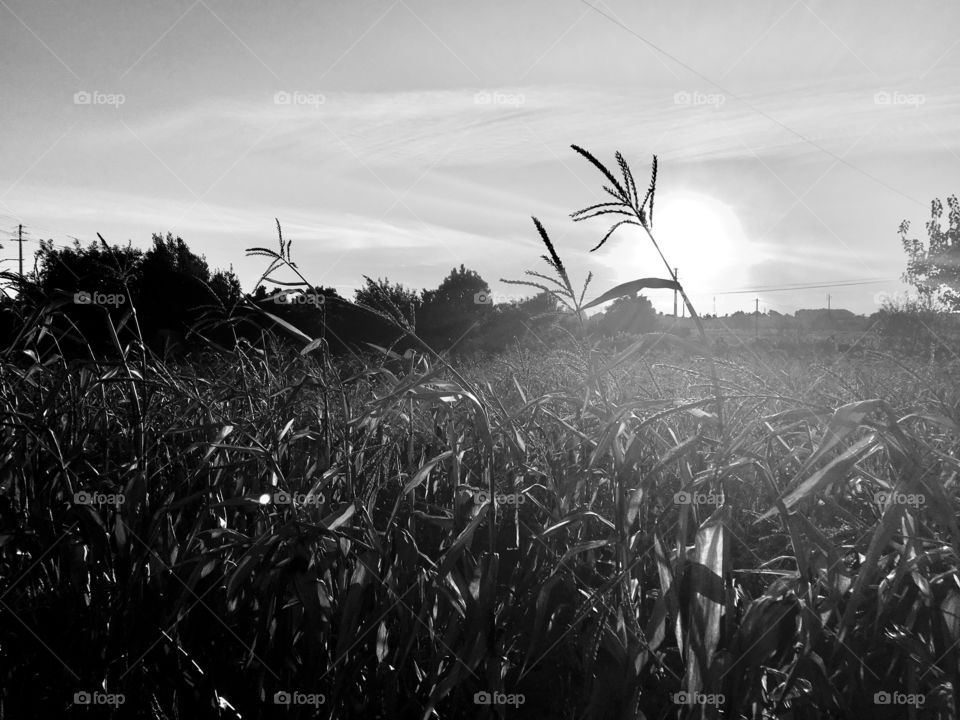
(632, 315)
(458, 306)
(171, 288)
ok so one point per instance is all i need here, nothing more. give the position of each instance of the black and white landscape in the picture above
(575, 359)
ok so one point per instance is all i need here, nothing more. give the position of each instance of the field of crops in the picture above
(280, 525)
(558, 532)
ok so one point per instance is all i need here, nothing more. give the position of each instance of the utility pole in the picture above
(756, 318)
(20, 240)
(676, 276)
(714, 306)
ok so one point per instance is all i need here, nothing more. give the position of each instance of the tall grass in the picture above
(395, 534)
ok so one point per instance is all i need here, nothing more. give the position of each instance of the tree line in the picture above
(94, 298)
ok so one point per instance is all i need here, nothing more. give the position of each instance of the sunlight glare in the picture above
(700, 236)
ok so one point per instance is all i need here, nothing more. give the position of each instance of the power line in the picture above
(752, 107)
(816, 286)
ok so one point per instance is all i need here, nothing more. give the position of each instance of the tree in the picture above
(171, 288)
(96, 281)
(632, 315)
(459, 305)
(177, 289)
(934, 268)
(463, 289)
(384, 296)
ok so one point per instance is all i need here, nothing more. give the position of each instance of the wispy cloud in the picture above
(526, 124)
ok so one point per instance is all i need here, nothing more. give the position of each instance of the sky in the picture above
(402, 138)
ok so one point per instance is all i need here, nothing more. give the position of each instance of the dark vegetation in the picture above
(268, 512)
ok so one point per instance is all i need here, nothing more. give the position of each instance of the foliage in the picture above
(634, 315)
(389, 297)
(933, 268)
(396, 534)
(455, 309)
(171, 288)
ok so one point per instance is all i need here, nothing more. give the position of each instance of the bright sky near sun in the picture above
(402, 138)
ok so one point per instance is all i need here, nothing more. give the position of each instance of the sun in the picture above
(701, 236)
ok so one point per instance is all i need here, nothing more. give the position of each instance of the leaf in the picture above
(845, 420)
(678, 451)
(333, 521)
(424, 472)
(703, 415)
(311, 346)
(542, 606)
(706, 573)
(632, 287)
(889, 524)
(463, 539)
(287, 326)
(583, 547)
(363, 572)
(835, 470)
(633, 507)
(383, 646)
(575, 519)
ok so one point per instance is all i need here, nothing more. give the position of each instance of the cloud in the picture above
(523, 125)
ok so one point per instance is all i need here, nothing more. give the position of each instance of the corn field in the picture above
(560, 532)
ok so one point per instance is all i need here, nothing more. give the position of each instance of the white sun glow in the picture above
(700, 236)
